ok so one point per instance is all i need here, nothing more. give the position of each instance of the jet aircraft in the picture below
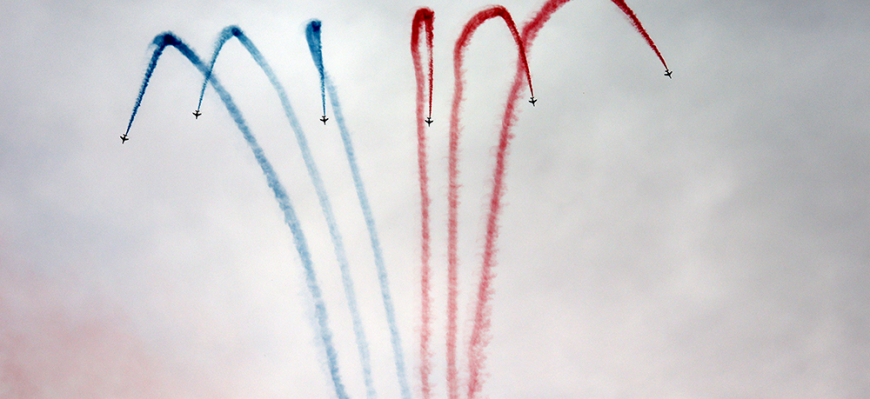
(124, 138)
(668, 73)
(533, 100)
(324, 119)
(196, 114)
(429, 121)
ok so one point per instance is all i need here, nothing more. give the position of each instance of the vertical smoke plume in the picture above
(313, 30)
(423, 19)
(325, 334)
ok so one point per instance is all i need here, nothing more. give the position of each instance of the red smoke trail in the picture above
(637, 25)
(479, 334)
(423, 17)
(483, 311)
(453, 191)
(430, 37)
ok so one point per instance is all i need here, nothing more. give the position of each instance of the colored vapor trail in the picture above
(325, 205)
(313, 30)
(640, 29)
(481, 319)
(453, 172)
(225, 35)
(483, 311)
(423, 18)
(312, 35)
(168, 39)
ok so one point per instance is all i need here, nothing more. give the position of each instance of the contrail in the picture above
(453, 171)
(395, 340)
(325, 205)
(168, 39)
(423, 19)
(483, 310)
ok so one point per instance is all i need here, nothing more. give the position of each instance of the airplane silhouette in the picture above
(324, 119)
(668, 73)
(533, 101)
(429, 121)
(196, 114)
(124, 138)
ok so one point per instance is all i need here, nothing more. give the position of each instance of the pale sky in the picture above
(697, 237)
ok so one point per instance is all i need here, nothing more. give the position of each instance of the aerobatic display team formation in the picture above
(421, 35)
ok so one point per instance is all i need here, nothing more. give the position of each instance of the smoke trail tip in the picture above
(314, 25)
(165, 39)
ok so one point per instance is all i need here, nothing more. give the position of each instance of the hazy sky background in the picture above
(700, 237)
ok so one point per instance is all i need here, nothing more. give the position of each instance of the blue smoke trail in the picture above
(224, 36)
(325, 205)
(168, 39)
(313, 32)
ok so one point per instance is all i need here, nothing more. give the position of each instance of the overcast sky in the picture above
(704, 236)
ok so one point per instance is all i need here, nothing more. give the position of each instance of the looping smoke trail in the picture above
(453, 189)
(312, 34)
(325, 205)
(399, 357)
(168, 39)
(483, 311)
(423, 18)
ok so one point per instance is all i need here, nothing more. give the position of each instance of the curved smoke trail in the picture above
(325, 205)
(168, 39)
(313, 29)
(219, 45)
(453, 189)
(640, 29)
(479, 334)
(483, 311)
(423, 18)
(312, 35)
